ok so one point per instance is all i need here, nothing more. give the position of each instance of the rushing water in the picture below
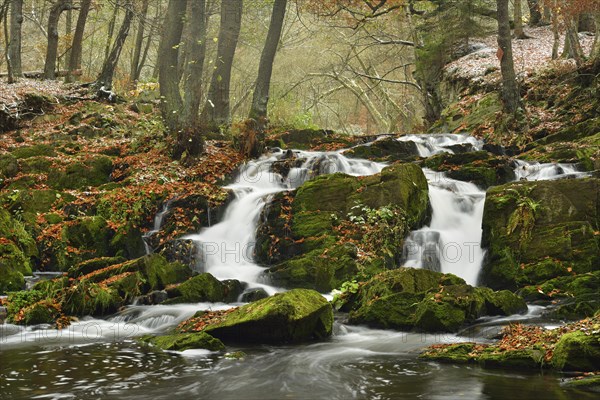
(100, 358)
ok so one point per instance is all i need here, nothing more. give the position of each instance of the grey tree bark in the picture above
(108, 69)
(192, 71)
(139, 41)
(77, 47)
(260, 99)
(518, 17)
(52, 50)
(14, 51)
(171, 102)
(510, 90)
(216, 111)
(535, 14)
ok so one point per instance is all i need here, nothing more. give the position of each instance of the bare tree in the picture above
(76, 49)
(518, 16)
(139, 41)
(16, 21)
(510, 90)
(216, 111)
(52, 50)
(260, 100)
(108, 69)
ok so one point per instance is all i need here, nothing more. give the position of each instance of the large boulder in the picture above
(578, 351)
(207, 288)
(296, 316)
(534, 231)
(298, 230)
(18, 250)
(387, 149)
(430, 301)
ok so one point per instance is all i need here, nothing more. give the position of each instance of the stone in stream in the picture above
(386, 149)
(408, 298)
(536, 231)
(184, 341)
(306, 252)
(299, 315)
(254, 294)
(205, 288)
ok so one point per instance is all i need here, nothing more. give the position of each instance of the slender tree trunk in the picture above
(108, 69)
(192, 75)
(68, 30)
(518, 16)
(139, 41)
(216, 111)
(111, 29)
(52, 50)
(595, 53)
(572, 45)
(14, 51)
(77, 47)
(535, 15)
(586, 22)
(171, 102)
(556, 33)
(260, 99)
(510, 90)
(4, 20)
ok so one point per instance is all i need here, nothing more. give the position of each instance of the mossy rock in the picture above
(577, 351)
(459, 353)
(93, 172)
(299, 315)
(431, 316)
(303, 139)
(34, 151)
(41, 312)
(387, 149)
(514, 359)
(13, 266)
(319, 270)
(395, 311)
(200, 288)
(85, 267)
(527, 223)
(15, 231)
(586, 383)
(9, 167)
(184, 341)
(36, 165)
(84, 297)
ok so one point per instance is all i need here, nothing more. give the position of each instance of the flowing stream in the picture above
(100, 358)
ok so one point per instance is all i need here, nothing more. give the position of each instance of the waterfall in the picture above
(432, 144)
(158, 220)
(226, 248)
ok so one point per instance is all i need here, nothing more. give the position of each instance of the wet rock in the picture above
(297, 229)
(184, 251)
(184, 341)
(577, 351)
(299, 315)
(205, 288)
(387, 149)
(253, 294)
(152, 298)
(534, 231)
(3, 314)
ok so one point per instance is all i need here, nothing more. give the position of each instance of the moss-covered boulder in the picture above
(590, 383)
(578, 351)
(37, 150)
(534, 231)
(430, 301)
(9, 167)
(95, 264)
(298, 230)
(296, 316)
(184, 341)
(205, 288)
(13, 266)
(479, 167)
(94, 171)
(387, 149)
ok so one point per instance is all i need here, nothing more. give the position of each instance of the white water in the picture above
(226, 248)
(534, 171)
(429, 145)
(158, 220)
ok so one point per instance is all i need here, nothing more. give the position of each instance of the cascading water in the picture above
(429, 145)
(158, 220)
(226, 248)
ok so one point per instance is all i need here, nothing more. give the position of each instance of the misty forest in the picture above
(300, 199)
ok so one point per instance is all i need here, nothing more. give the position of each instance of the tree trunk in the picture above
(572, 47)
(171, 102)
(216, 111)
(518, 16)
(535, 15)
(260, 99)
(77, 47)
(134, 75)
(68, 30)
(556, 33)
(595, 54)
(52, 50)
(111, 29)
(510, 90)
(108, 69)
(192, 75)
(14, 51)
(586, 22)
(4, 21)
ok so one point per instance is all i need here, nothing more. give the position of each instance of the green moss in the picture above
(160, 273)
(503, 302)
(295, 316)
(34, 151)
(13, 266)
(518, 359)
(9, 167)
(459, 353)
(15, 231)
(41, 312)
(22, 299)
(431, 316)
(388, 149)
(36, 165)
(587, 383)
(85, 267)
(88, 298)
(185, 341)
(92, 172)
(203, 287)
(578, 351)
(395, 311)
